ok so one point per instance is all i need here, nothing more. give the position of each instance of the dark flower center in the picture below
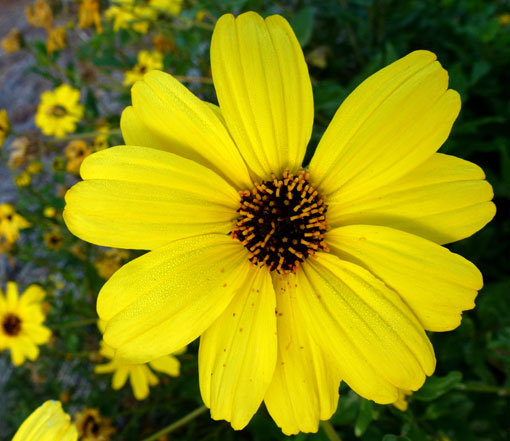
(90, 426)
(282, 222)
(11, 324)
(58, 111)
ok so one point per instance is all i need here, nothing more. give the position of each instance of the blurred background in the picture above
(99, 48)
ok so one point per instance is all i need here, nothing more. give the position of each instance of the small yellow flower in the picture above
(172, 7)
(10, 223)
(5, 126)
(163, 43)
(88, 15)
(53, 239)
(22, 149)
(34, 168)
(76, 152)
(59, 111)
(12, 41)
(56, 39)
(39, 15)
(110, 261)
(140, 375)
(47, 423)
(49, 212)
(147, 61)
(24, 179)
(92, 426)
(126, 15)
(348, 252)
(504, 19)
(201, 15)
(21, 318)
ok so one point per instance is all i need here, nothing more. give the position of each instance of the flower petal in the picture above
(120, 376)
(167, 116)
(139, 379)
(167, 364)
(264, 90)
(165, 299)
(238, 352)
(142, 198)
(305, 384)
(377, 343)
(444, 200)
(392, 122)
(434, 282)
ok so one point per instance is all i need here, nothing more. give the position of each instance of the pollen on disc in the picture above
(282, 222)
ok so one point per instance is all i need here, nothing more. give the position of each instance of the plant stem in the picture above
(483, 388)
(87, 135)
(330, 431)
(178, 424)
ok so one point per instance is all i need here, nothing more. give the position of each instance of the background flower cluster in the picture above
(66, 68)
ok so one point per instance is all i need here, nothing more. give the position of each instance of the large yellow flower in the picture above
(47, 423)
(59, 111)
(347, 252)
(21, 328)
(10, 223)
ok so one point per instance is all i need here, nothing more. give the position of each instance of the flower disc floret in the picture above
(282, 222)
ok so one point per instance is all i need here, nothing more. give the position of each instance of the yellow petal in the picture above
(167, 364)
(305, 384)
(47, 423)
(120, 376)
(37, 333)
(11, 296)
(264, 90)
(141, 198)
(444, 200)
(165, 299)
(376, 342)
(33, 294)
(392, 122)
(139, 379)
(434, 282)
(237, 353)
(167, 116)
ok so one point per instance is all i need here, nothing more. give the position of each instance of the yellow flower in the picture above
(140, 375)
(172, 7)
(92, 426)
(59, 111)
(24, 179)
(76, 152)
(22, 148)
(12, 41)
(347, 252)
(88, 15)
(21, 322)
(10, 223)
(39, 15)
(49, 211)
(53, 239)
(147, 61)
(5, 126)
(47, 423)
(34, 168)
(110, 261)
(56, 39)
(126, 15)
(504, 19)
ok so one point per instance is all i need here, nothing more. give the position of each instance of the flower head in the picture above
(110, 261)
(39, 14)
(126, 14)
(24, 179)
(92, 426)
(5, 126)
(56, 40)
(347, 250)
(59, 111)
(88, 15)
(53, 239)
(48, 422)
(11, 42)
(76, 152)
(10, 223)
(147, 61)
(21, 318)
(172, 7)
(140, 375)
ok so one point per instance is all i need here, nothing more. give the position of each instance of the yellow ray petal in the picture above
(444, 200)
(434, 282)
(305, 384)
(377, 343)
(165, 299)
(47, 423)
(11, 296)
(392, 122)
(167, 116)
(264, 90)
(37, 333)
(141, 198)
(238, 352)
(167, 364)
(139, 379)
(120, 376)
(33, 294)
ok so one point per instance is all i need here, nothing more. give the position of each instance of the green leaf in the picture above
(365, 417)
(302, 23)
(437, 386)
